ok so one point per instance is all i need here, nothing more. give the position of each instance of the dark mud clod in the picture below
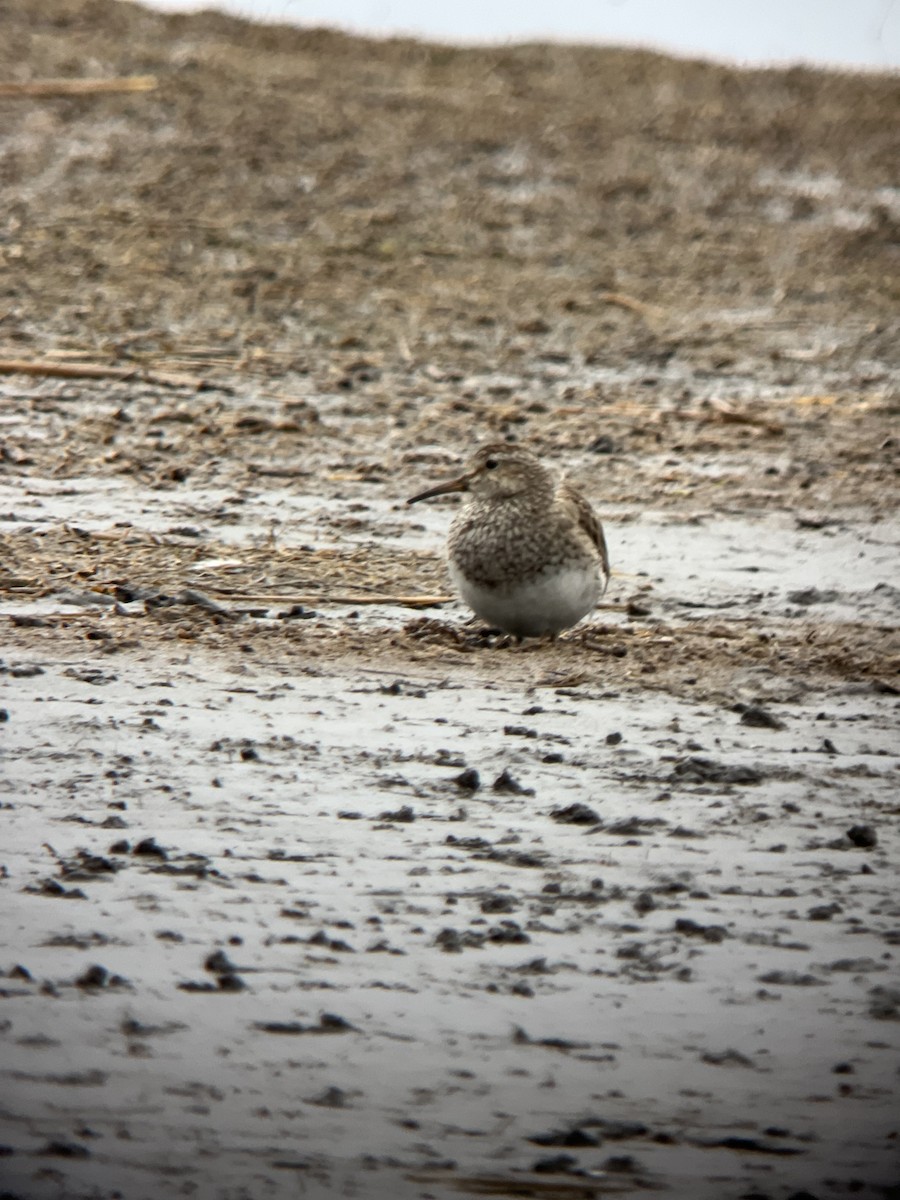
(507, 784)
(812, 595)
(709, 933)
(705, 770)
(65, 1150)
(94, 977)
(332, 1097)
(451, 941)
(499, 903)
(297, 612)
(760, 718)
(328, 1023)
(149, 848)
(576, 1137)
(884, 1003)
(643, 904)
(468, 780)
(219, 963)
(638, 608)
(575, 814)
(508, 933)
(404, 815)
(557, 1164)
(863, 836)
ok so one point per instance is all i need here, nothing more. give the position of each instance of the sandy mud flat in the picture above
(310, 885)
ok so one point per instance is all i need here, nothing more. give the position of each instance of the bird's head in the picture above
(497, 471)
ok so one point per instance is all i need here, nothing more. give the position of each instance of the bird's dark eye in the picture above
(490, 464)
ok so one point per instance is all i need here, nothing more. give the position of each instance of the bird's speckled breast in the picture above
(495, 544)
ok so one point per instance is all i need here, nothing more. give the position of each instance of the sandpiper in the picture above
(526, 553)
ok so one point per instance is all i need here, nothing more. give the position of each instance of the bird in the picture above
(526, 553)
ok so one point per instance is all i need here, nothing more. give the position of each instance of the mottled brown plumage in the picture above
(527, 554)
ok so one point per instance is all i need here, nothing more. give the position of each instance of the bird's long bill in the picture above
(452, 485)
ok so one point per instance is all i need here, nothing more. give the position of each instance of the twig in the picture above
(338, 598)
(403, 601)
(733, 416)
(649, 312)
(277, 472)
(60, 370)
(79, 87)
(27, 366)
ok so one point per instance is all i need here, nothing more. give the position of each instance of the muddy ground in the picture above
(312, 887)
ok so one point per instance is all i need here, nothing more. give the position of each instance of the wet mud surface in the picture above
(311, 885)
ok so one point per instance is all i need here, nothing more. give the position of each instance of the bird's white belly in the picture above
(546, 603)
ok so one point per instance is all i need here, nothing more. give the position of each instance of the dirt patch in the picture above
(316, 885)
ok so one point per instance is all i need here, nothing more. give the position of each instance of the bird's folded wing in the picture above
(586, 519)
